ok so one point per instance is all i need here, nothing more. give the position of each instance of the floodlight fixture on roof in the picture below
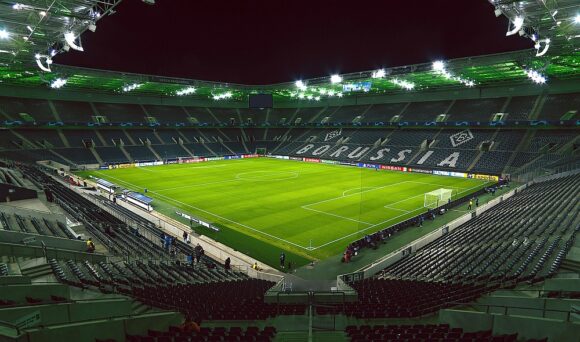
(4, 34)
(186, 91)
(58, 83)
(518, 22)
(300, 85)
(538, 46)
(379, 73)
(47, 61)
(335, 79)
(70, 38)
(577, 19)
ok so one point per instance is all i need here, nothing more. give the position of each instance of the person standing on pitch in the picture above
(470, 204)
(282, 259)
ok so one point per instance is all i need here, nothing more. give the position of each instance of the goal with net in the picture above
(437, 198)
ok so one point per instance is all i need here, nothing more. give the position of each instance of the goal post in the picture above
(436, 198)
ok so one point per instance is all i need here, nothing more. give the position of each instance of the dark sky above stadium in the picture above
(271, 41)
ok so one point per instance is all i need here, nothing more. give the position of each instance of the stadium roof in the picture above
(37, 28)
(506, 68)
(32, 31)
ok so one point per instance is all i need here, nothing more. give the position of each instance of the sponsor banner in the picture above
(104, 167)
(419, 170)
(214, 158)
(191, 160)
(346, 163)
(232, 157)
(370, 166)
(441, 173)
(326, 161)
(312, 160)
(483, 177)
(392, 168)
(151, 163)
(450, 173)
(171, 161)
(250, 155)
(296, 158)
(458, 174)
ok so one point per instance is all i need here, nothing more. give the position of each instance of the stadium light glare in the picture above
(577, 19)
(17, 6)
(131, 87)
(300, 85)
(438, 65)
(317, 98)
(518, 22)
(70, 38)
(39, 63)
(404, 84)
(186, 91)
(335, 79)
(538, 46)
(536, 76)
(339, 94)
(58, 83)
(4, 34)
(301, 96)
(379, 73)
(226, 95)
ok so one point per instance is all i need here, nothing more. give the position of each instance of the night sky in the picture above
(271, 41)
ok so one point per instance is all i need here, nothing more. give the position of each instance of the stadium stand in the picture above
(556, 107)
(425, 111)
(120, 112)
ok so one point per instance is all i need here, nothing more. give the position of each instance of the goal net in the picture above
(437, 198)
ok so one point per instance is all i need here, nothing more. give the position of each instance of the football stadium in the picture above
(158, 199)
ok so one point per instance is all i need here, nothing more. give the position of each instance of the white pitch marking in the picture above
(212, 214)
(364, 187)
(342, 217)
(361, 192)
(380, 223)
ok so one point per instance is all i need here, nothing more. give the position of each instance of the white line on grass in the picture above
(200, 184)
(361, 192)
(342, 217)
(210, 213)
(304, 207)
(389, 220)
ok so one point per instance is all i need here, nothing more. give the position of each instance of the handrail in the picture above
(506, 308)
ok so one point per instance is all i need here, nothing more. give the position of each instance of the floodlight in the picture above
(42, 13)
(518, 23)
(339, 94)
(300, 85)
(58, 83)
(92, 27)
(379, 73)
(535, 76)
(335, 79)
(438, 65)
(317, 98)
(301, 96)
(404, 84)
(17, 6)
(4, 34)
(577, 19)
(545, 49)
(70, 38)
(41, 66)
(131, 87)
(497, 12)
(186, 91)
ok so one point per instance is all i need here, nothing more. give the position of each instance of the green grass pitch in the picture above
(311, 211)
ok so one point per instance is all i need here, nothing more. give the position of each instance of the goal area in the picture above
(437, 198)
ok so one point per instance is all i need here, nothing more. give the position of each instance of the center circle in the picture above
(266, 176)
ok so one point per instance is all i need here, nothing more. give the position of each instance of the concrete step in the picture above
(570, 265)
(37, 271)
